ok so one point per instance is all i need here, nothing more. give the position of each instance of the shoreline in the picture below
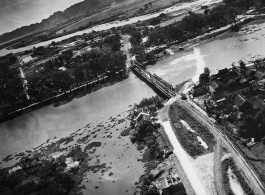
(203, 38)
(68, 96)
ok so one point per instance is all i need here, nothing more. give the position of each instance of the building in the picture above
(222, 72)
(198, 90)
(213, 86)
(177, 189)
(249, 72)
(142, 118)
(259, 75)
(242, 102)
(239, 90)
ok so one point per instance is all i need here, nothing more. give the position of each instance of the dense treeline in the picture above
(49, 81)
(195, 24)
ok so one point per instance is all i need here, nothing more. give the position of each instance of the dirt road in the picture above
(240, 162)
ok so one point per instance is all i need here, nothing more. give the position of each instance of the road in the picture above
(240, 162)
(187, 173)
(23, 78)
(126, 49)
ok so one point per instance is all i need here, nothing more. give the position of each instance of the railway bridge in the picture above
(160, 86)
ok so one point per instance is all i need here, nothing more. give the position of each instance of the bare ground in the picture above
(218, 179)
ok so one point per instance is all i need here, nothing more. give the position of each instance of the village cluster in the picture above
(233, 93)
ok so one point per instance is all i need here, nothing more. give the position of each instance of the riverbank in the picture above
(162, 173)
(66, 97)
(219, 33)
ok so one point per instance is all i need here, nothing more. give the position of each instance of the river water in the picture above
(217, 54)
(34, 128)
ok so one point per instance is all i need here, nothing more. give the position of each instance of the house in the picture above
(213, 86)
(241, 102)
(260, 64)
(259, 75)
(144, 110)
(240, 88)
(142, 118)
(211, 89)
(243, 80)
(152, 109)
(222, 72)
(261, 84)
(257, 102)
(237, 70)
(198, 90)
(249, 72)
(250, 65)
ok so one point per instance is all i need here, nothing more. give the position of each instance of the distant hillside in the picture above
(79, 10)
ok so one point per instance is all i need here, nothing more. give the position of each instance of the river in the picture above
(34, 128)
(217, 54)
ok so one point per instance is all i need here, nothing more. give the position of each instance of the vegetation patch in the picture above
(225, 166)
(189, 139)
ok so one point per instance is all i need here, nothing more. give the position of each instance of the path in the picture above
(182, 155)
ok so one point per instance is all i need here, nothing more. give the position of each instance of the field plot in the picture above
(194, 137)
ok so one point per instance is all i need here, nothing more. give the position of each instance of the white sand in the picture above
(184, 161)
(234, 184)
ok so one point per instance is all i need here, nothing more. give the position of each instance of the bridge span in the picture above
(160, 86)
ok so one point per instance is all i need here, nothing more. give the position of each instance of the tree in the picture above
(53, 43)
(251, 126)
(204, 77)
(62, 80)
(150, 4)
(207, 71)
(78, 74)
(260, 3)
(139, 52)
(216, 15)
(231, 14)
(242, 64)
(149, 190)
(156, 37)
(133, 41)
(263, 140)
(137, 35)
(206, 11)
